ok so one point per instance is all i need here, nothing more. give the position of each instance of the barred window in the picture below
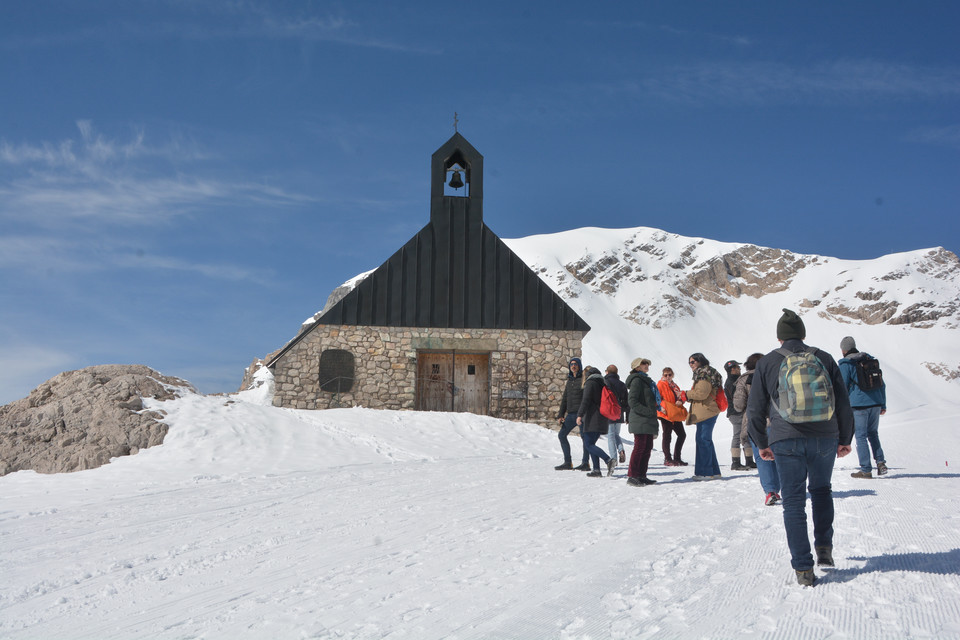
(336, 371)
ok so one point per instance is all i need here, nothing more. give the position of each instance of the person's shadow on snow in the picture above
(943, 563)
(922, 475)
(854, 493)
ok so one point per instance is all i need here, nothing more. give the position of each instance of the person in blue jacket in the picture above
(868, 405)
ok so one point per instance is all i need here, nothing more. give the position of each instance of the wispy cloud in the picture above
(232, 21)
(758, 83)
(948, 136)
(228, 272)
(22, 368)
(128, 181)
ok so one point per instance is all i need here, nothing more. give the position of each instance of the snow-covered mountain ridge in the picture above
(655, 277)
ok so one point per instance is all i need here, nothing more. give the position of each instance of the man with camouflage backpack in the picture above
(801, 391)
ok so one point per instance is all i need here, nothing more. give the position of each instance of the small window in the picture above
(336, 371)
(471, 369)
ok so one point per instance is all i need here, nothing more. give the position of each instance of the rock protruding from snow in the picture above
(80, 419)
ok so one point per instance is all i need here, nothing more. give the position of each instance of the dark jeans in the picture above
(569, 423)
(590, 446)
(800, 462)
(640, 458)
(669, 428)
(705, 457)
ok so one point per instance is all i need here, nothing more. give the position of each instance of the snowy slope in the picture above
(649, 293)
(257, 522)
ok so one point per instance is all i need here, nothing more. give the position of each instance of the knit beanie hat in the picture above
(790, 326)
(847, 345)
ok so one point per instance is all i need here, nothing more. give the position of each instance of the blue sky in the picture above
(182, 183)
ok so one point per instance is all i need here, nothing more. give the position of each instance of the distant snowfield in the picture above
(257, 522)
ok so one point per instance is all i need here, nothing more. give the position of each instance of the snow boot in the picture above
(881, 468)
(825, 556)
(806, 578)
(635, 482)
(623, 456)
(611, 465)
(595, 474)
(566, 466)
(583, 467)
(736, 466)
(750, 464)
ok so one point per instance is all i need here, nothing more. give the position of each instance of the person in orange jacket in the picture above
(671, 415)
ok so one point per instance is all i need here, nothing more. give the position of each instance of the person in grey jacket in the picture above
(642, 422)
(735, 416)
(805, 451)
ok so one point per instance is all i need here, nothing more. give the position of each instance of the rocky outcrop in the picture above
(80, 419)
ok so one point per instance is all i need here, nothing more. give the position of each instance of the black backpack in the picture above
(869, 374)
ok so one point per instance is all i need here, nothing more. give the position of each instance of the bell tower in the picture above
(456, 184)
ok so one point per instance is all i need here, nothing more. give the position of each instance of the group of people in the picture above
(794, 411)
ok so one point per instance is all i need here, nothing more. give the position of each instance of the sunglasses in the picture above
(692, 362)
(668, 375)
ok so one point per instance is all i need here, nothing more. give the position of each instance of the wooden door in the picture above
(453, 381)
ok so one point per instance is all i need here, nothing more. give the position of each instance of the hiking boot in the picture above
(566, 466)
(772, 499)
(583, 467)
(736, 466)
(881, 468)
(635, 482)
(648, 481)
(861, 474)
(623, 456)
(825, 556)
(611, 465)
(680, 463)
(806, 578)
(595, 474)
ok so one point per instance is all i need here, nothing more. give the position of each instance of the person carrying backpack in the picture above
(703, 396)
(868, 397)
(800, 391)
(593, 422)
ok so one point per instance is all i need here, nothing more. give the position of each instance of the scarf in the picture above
(709, 374)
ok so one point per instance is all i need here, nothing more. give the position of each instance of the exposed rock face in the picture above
(80, 419)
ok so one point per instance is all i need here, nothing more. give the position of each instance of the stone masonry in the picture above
(527, 367)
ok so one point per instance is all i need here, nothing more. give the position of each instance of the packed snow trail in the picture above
(256, 522)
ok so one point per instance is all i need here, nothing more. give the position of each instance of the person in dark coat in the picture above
(593, 422)
(805, 450)
(643, 421)
(569, 405)
(614, 442)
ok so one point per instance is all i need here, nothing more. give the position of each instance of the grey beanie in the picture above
(790, 326)
(847, 345)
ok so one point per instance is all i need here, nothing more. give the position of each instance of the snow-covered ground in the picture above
(257, 522)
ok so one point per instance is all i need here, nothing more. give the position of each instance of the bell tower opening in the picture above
(456, 177)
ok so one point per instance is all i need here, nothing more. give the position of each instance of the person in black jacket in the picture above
(593, 422)
(569, 405)
(806, 448)
(614, 441)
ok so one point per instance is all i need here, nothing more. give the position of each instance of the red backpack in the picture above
(609, 405)
(721, 400)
